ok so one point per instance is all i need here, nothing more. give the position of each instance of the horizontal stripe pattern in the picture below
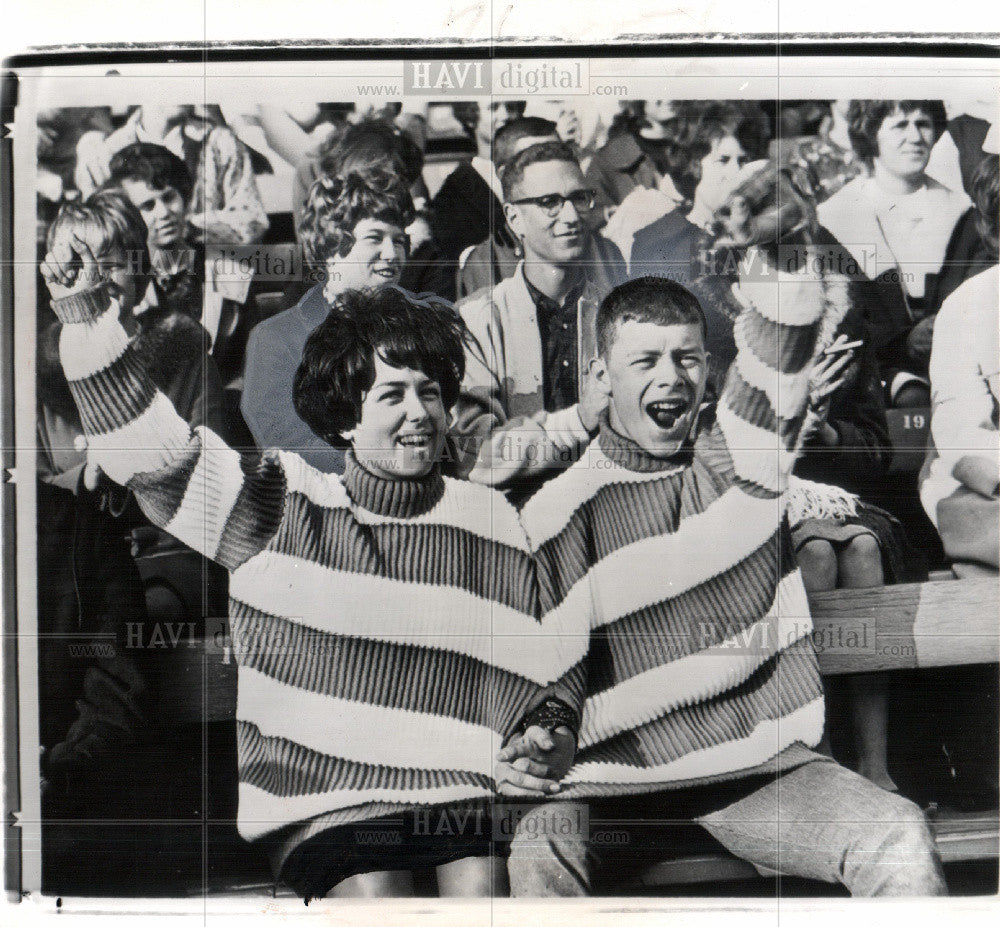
(470, 508)
(704, 616)
(360, 732)
(410, 677)
(700, 665)
(768, 738)
(397, 550)
(702, 674)
(370, 606)
(284, 769)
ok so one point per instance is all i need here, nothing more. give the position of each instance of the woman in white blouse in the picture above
(897, 223)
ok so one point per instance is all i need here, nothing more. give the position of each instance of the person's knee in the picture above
(898, 854)
(862, 556)
(818, 563)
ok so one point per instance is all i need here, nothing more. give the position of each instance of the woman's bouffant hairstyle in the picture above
(118, 225)
(769, 205)
(374, 141)
(336, 204)
(338, 363)
(697, 126)
(984, 190)
(865, 118)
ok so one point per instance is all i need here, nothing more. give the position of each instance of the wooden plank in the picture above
(947, 623)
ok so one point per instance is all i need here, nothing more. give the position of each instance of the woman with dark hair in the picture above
(225, 207)
(352, 235)
(897, 224)
(385, 623)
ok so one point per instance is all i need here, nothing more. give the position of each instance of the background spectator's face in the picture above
(904, 142)
(117, 273)
(655, 377)
(403, 424)
(557, 239)
(719, 170)
(491, 119)
(162, 211)
(377, 257)
(660, 110)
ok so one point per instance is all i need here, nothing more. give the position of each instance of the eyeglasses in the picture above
(552, 203)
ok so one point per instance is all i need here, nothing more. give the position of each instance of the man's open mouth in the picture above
(667, 412)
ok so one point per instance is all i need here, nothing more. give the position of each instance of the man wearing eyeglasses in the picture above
(528, 406)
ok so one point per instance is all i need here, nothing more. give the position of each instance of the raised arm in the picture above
(188, 482)
(787, 319)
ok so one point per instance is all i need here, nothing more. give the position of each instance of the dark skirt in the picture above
(405, 841)
(901, 563)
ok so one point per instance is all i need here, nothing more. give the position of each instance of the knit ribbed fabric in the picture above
(699, 666)
(386, 632)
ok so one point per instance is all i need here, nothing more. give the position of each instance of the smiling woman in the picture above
(352, 235)
(898, 224)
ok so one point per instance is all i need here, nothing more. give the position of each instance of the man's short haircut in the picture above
(118, 225)
(338, 362)
(697, 126)
(156, 166)
(335, 205)
(865, 118)
(647, 299)
(371, 141)
(984, 189)
(535, 154)
(510, 133)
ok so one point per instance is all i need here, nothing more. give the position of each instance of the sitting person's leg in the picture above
(821, 821)
(473, 877)
(550, 854)
(860, 567)
(817, 562)
(394, 884)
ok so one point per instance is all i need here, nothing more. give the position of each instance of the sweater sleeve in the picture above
(187, 481)
(787, 320)
(493, 448)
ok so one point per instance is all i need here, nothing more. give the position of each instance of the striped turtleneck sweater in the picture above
(699, 664)
(386, 632)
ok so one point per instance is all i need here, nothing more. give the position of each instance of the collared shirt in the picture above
(557, 324)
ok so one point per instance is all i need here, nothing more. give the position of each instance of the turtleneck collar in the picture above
(628, 455)
(392, 498)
